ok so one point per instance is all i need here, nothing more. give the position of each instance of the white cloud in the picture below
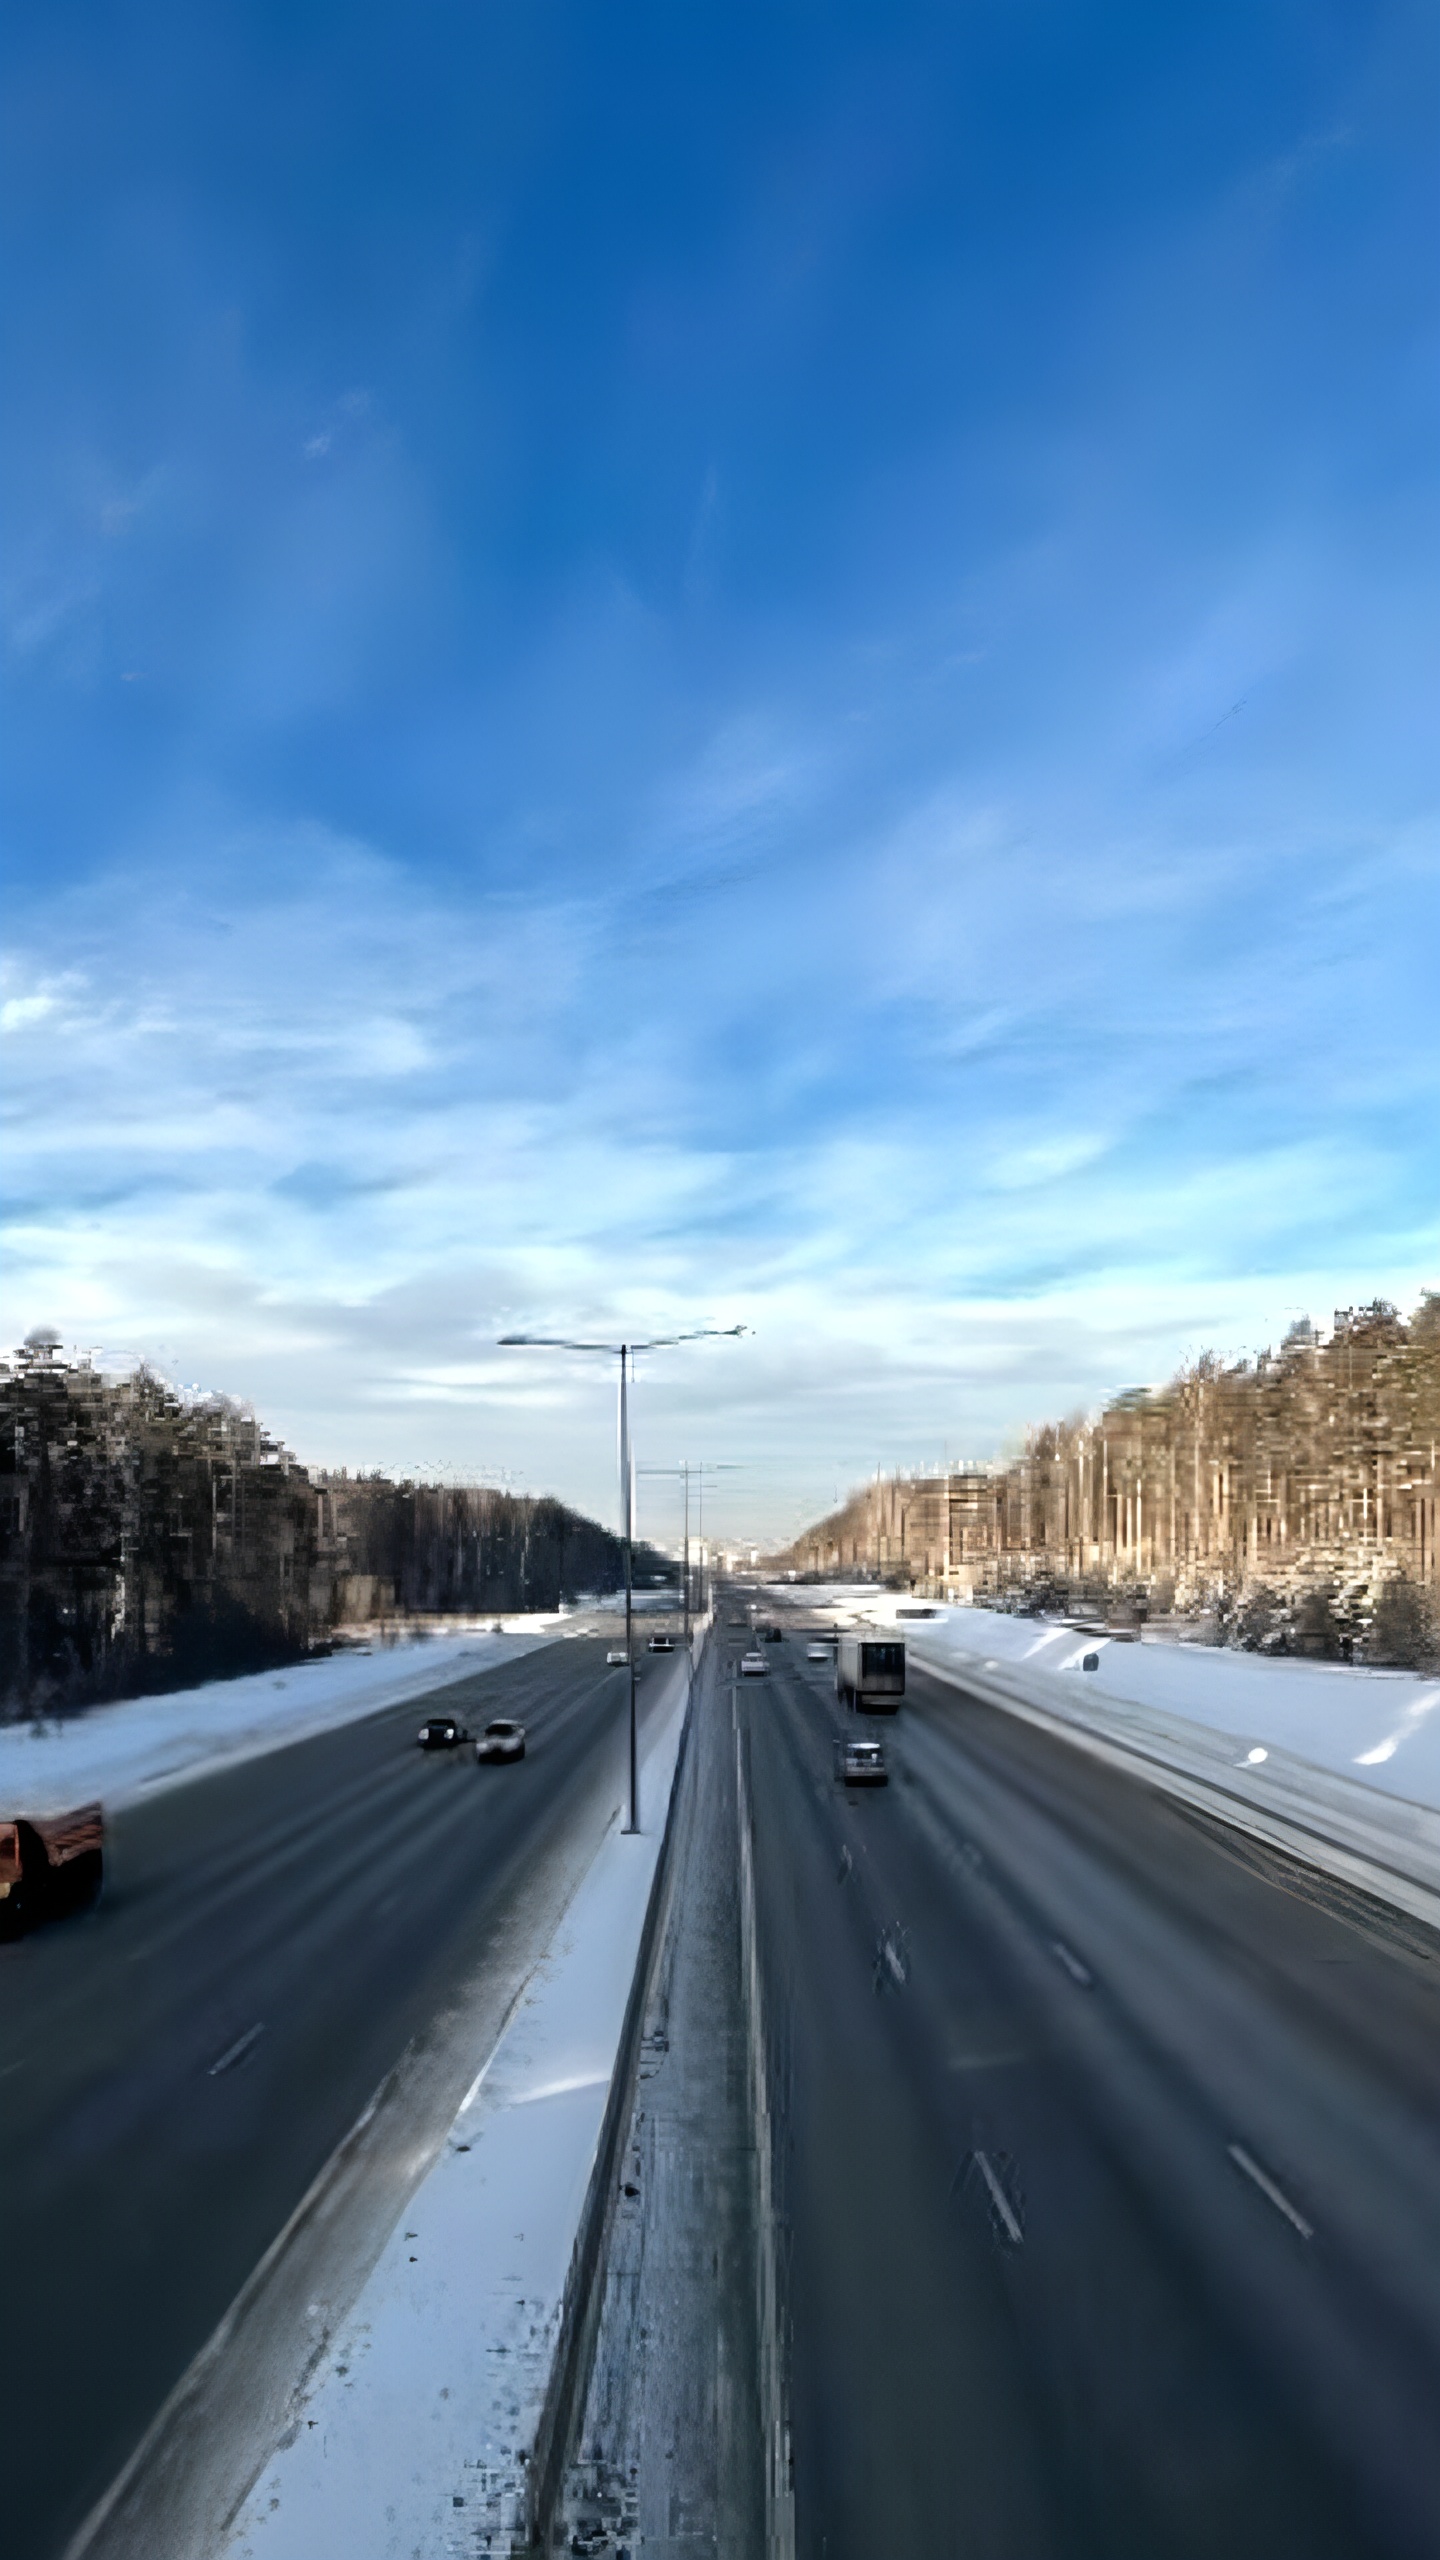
(313, 1133)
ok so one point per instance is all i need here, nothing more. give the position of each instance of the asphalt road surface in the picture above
(177, 2067)
(1107, 2156)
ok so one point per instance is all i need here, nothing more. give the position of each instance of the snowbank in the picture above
(1337, 1767)
(1381, 1728)
(139, 1744)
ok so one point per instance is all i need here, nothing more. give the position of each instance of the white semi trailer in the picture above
(870, 1672)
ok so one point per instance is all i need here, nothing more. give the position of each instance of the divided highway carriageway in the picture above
(179, 2065)
(1105, 2179)
(1017, 2164)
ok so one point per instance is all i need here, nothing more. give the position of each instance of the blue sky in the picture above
(717, 664)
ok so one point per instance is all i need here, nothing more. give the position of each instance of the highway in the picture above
(1106, 2156)
(177, 2067)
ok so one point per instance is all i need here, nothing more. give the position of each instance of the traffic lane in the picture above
(1208, 2003)
(1309, 2025)
(1329, 1954)
(1150, 2421)
(228, 1861)
(1304, 2181)
(186, 2059)
(325, 1896)
(911, 2426)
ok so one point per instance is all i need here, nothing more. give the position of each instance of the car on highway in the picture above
(753, 1666)
(861, 1764)
(817, 1651)
(441, 1733)
(660, 1643)
(616, 1654)
(774, 1635)
(502, 1739)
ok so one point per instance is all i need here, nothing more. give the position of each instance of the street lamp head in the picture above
(553, 1342)
(657, 1342)
(705, 1333)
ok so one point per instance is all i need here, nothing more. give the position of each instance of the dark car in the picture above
(441, 1733)
(861, 1764)
(774, 1635)
(662, 1644)
(501, 1740)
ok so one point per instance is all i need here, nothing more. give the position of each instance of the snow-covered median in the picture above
(129, 1749)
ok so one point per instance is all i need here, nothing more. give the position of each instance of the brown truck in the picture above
(49, 1862)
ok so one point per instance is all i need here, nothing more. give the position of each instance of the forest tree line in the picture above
(149, 1541)
(1288, 1503)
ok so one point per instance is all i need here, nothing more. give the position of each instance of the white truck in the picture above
(870, 1672)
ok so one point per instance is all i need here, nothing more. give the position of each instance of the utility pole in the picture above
(626, 1353)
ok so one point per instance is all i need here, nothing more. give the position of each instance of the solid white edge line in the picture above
(1252, 2170)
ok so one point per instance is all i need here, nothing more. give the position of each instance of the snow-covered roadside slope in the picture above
(1378, 1728)
(126, 1750)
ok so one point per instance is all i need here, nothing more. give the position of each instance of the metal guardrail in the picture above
(1376, 1844)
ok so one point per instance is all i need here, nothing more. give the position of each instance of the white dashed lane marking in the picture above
(1077, 1971)
(1005, 2212)
(1252, 2170)
(237, 2051)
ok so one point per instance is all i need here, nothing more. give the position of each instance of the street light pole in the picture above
(626, 1353)
(627, 1515)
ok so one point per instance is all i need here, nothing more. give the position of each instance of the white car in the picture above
(753, 1666)
(617, 1653)
(817, 1652)
(501, 1740)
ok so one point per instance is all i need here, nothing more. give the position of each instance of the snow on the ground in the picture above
(414, 2433)
(1379, 1727)
(138, 1744)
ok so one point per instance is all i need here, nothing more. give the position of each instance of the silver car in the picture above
(753, 1666)
(501, 1740)
(861, 1764)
